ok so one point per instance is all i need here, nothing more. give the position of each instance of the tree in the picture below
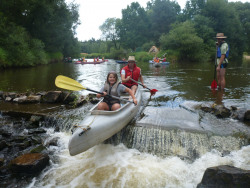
(243, 10)
(193, 8)
(109, 31)
(184, 42)
(52, 22)
(162, 14)
(203, 27)
(133, 27)
(94, 46)
(225, 20)
(17, 48)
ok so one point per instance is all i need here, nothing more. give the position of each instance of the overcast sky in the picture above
(93, 13)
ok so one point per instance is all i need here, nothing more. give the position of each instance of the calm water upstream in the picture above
(181, 88)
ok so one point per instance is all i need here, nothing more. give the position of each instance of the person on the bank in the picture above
(113, 87)
(222, 59)
(131, 71)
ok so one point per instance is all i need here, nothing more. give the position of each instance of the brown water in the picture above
(107, 165)
(185, 81)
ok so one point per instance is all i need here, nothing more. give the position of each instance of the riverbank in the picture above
(26, 122)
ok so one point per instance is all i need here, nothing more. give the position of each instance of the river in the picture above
(198, 140)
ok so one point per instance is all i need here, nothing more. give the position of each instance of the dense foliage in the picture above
(39, 31)
(36, 31)
(188, 34)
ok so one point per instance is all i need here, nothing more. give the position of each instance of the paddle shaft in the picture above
(140, 84)
(215, 62)
(214, 83)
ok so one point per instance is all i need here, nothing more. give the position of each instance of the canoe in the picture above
(78, 62)
(100, 125)
(165, 63)
(90, 62)
(96, 62)
(121, 62)
(162, 63)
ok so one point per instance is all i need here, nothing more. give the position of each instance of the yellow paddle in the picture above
(70, 84)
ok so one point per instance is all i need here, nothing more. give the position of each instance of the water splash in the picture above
(107, 165)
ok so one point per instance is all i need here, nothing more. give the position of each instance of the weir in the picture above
(176, 142)
(164, 132)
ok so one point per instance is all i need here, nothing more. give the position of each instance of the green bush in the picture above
(95, 55)
(182, 38)
(37, 48)
(3, 58)
(143, 56)
(18, 49)
(54, 57)
(118, 54)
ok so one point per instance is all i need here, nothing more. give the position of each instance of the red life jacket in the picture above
(134, 74)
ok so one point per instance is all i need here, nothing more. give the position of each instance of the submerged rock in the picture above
(220, 111)
(30, 163)
(64, 97)
(247, 115)
(21, 99)
(51, 96)
(225, 176)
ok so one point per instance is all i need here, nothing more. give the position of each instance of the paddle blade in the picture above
(214, 85)
(68, 83)
(153, 91)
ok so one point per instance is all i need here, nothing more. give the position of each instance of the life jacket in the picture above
(219, 51)
(157, 60)
(134, 74)
(111, 91)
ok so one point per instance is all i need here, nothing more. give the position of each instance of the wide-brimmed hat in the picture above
(220, 36)
(131, 59)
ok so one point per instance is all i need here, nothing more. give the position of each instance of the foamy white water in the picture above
(106, 165)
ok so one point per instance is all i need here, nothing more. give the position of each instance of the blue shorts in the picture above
(223, 65)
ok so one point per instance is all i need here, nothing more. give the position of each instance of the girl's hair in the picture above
(115, 75)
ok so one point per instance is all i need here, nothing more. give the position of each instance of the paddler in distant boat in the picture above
(113, 87)
(131, 71)
(156, 60)
(164, 59)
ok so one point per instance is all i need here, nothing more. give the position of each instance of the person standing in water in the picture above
(222, 59)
